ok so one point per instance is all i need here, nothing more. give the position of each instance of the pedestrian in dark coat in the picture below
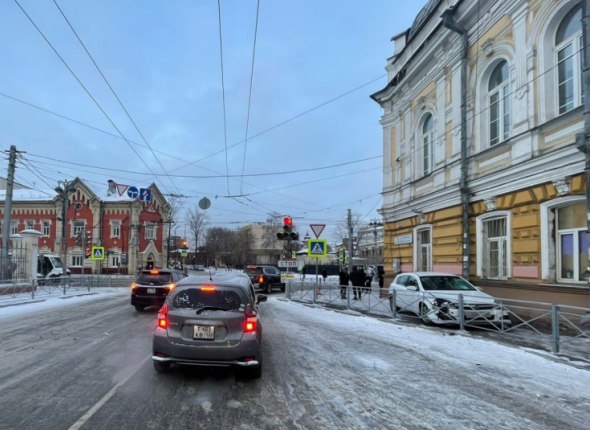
(357, 279)
(344, 279)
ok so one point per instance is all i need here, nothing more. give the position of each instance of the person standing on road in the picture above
(344, 279)
(325, 275)
(370, 275)
(357, 279)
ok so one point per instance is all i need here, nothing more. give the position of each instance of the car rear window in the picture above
(155, 279)
(195, 298)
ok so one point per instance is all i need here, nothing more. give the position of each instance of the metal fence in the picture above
(553, 326)
(34, 288)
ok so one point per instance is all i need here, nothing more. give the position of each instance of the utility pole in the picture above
(349, 241)
(583, 139)
(63, 189)
(8, 212)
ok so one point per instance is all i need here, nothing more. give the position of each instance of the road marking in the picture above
(94, 409)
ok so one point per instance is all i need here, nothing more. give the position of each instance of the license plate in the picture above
(151, 291)
(204, 332)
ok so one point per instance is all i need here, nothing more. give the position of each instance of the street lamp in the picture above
(63, 189)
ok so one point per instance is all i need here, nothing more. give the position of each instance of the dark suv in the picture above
(267, 277)
(151, 287)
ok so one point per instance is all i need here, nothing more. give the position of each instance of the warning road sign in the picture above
(317, 229)
(317, 248)
(97, 253)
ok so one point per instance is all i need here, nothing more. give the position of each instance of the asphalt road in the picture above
(89, 367)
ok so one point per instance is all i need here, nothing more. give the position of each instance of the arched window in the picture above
(568, 44)
(499, 104)
(427, 138)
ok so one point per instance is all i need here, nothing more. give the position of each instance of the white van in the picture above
(50, 267)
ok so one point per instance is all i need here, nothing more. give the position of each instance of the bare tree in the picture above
(341, 232)
(197, 222)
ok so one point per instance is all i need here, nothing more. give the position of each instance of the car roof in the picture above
(429, 274)
(222, 280)
(159, 270)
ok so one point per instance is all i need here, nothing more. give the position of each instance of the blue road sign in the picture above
(145, 194)
(317, 248)
(132, 192)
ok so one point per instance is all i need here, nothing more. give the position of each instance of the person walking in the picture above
(344, 279)
(357, 279)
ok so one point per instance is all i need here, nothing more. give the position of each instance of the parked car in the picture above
(210, 323)
(151, 286)
(266, 277)
(435, 298)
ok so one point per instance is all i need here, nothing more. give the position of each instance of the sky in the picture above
(261, 106)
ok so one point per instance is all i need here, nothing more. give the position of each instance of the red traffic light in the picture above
(288, 221)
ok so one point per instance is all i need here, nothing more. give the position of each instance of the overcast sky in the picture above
(303, 139)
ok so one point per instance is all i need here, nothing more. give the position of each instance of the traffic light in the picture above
(287, 233)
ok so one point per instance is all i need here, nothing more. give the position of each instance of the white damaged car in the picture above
(435, 298)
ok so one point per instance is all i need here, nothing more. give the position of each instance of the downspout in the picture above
(449, 22)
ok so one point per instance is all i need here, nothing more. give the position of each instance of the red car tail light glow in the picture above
(250, 325)
(260, 279)
(208, 289)
(133, 285)
(162, 317)
(170, 287)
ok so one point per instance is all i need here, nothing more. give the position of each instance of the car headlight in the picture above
(444, 303)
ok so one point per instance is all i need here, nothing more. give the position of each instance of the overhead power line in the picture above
(81, 84)
(113, 92)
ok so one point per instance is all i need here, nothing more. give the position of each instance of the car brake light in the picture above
(154, 272)
(133, 285)
(260, 279)
(170, 287)
(208, 289)
(250, 325)
(162, 317)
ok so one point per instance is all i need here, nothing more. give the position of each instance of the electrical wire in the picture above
(250, 95)
(114, 92)
(223, 94)
(81, 83)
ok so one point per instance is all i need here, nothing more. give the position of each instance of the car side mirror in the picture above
(260, 298)
(412, 287)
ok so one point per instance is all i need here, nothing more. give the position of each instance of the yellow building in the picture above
(482, 175)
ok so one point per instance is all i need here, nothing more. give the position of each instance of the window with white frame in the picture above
(423, 249)
(115, 260)
(572, 243)
(568, 45)
(78, 227)
(77, 260)
(150, 231)
(116, 229)
(46, 228)
(14, 227)
(499, 104)
(427, 144)
(29, 224)
(495, 248)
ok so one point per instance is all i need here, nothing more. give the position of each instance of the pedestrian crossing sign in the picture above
(97, 253)
(317, 248)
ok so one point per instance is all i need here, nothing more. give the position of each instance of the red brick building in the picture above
(133, 232)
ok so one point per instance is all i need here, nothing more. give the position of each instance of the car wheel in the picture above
(268, 288)
(139, 308)
(161, 367)
(424, 310)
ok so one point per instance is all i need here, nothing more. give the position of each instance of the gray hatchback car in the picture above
(210, 322)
